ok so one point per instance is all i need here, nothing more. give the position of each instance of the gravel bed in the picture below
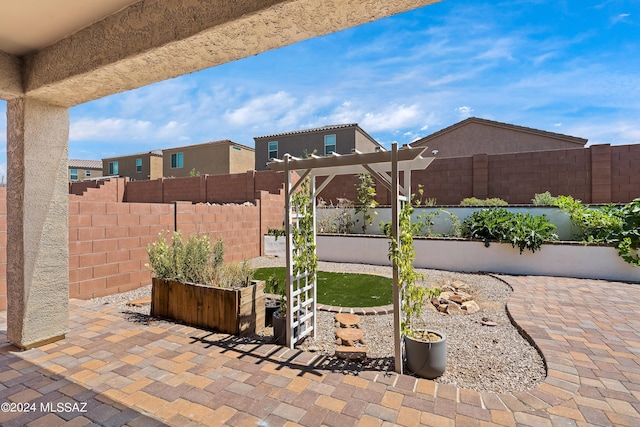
(482, 358)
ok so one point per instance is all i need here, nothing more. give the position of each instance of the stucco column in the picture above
(37, 225)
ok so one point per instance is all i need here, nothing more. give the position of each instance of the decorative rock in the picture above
(454, 309)
(470, 307)
(460, 297)
(445, 295)
(443, 308)
(435, 301)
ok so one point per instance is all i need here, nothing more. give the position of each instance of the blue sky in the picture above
(571, 67)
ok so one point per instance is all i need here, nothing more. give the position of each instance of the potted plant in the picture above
(279, 319)
(194, 286)
(425, 350)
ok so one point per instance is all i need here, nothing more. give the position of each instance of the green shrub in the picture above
(524, 231)
(544, 199)
(596, 225)
(194, 261)
(233, 275)
(610, 224)
(473, 201)
(629, 237)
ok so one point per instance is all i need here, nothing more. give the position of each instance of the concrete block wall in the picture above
(446, 180)
(231, 188)
(517, 177)
(625, 173)
(107, 244)
(237, 225)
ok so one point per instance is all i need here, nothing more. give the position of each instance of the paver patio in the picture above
(124, 370)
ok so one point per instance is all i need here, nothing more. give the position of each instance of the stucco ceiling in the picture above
(30, 25)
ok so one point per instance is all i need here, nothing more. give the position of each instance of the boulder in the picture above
(471, 307)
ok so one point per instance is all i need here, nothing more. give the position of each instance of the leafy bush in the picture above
(497, 224)
(194, 261)
(233, 275)
(366, 194)
(340, 223)
(544, 199)
(276, 232)
(596, 225)
(472, 201)
(610, 224)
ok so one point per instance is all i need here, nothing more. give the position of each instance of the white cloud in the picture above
(391, 118)
(266, 108)
(620, 18)
(109, 129)
(464, 111)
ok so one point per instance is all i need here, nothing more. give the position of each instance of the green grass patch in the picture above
(342, 289)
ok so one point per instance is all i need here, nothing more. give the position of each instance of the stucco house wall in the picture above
(481, 136)
(307, 141)
(127, 165)
(212, 158)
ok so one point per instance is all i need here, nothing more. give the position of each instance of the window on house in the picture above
(329, 144)
(73, 174)
(138, 165)
(87, 173)
(177, 161)
(273, 150)
(113, 168)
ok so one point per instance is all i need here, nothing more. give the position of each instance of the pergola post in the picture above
(395, 232)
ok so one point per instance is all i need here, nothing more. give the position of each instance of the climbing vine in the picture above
(304, 248)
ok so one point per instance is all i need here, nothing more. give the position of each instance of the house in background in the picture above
(81, 170)
(481, 136)
(211, 158)
(138, 166)
(341, 139)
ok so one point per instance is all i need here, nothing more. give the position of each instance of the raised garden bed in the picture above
(553, 259)
(237, 311)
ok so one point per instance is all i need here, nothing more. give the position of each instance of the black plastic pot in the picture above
(270, 307)
(426, 359)
(279, 324)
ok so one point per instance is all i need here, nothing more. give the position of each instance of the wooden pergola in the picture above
(385, 166)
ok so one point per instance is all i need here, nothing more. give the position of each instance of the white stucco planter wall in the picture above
(442, 221)
(565, 260)
(273, 247)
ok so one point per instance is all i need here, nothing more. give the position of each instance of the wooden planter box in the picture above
(232, 311)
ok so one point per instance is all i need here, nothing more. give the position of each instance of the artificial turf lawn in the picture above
(342, 289)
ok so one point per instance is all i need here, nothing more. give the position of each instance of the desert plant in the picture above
(497, 224)
(338, 219)
(188, 261)
(366, 195)
(544, 199)
(218, 253)
(473, 201)
(233, 275)
(194, 261)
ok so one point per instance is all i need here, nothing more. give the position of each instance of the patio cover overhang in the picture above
(377, 164)
(55, 54)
